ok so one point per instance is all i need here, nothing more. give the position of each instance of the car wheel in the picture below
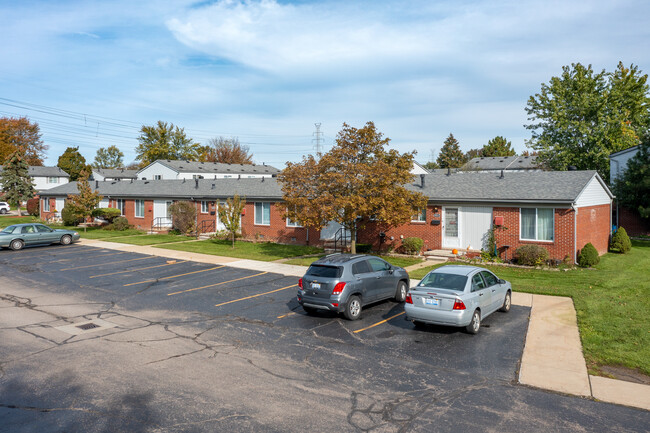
(3, 211)
(17, 244)
(475, 324)
(309, 310)
(353, 308)
(400, 293)
(507, 302)
(66, 240)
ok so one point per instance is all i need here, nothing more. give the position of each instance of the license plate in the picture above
(315, 285)
(429, 301)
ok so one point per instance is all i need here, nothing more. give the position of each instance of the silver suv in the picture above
(4, 207)
(345, 283)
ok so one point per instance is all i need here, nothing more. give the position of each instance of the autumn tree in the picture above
(582, 116)
(110, 157)
(431, 165)
(473, 153)
(82, 205)
(227, 151)
(498, 146)
(15, 180)
(73, 163)
(450, 154)
(165, 141)
(356, 180)
(230, 216)
(21, 134)
(632, 189)
(183, 216)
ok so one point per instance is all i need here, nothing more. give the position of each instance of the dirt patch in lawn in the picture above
(624, 373)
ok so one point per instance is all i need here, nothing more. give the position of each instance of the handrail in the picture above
(160, 222)
(206, 226)
(342, 235)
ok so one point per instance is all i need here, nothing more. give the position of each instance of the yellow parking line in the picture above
(287, 315)
(174, 276)
(137, 269)
(217, 284)
(58, 253)
(109, 263)
(255, 296)
(93, 256)
(378, 323)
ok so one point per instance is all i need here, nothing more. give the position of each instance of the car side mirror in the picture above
(390, 271)
(502, 281)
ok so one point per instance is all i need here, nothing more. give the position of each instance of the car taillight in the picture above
(338, 288)
(300, 283)
(458, 305)
(408, 299)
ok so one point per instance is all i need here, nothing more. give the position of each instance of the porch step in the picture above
(439, 254)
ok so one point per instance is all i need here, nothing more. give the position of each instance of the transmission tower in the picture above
(318, 138)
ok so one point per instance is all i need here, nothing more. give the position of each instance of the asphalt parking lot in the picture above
(377, 373)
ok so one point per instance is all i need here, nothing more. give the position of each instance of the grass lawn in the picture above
(148, 239)
(7, 220)
(397, 261)
(612, 303)
(266, 252)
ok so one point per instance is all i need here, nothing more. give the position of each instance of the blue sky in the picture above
(92, 72)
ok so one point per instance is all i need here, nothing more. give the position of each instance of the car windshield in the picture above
(324, 271)
(9, 229)
(444, 281)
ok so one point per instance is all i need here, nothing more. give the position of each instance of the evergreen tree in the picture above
(15, 180)
(632, 189)
(450, 155)
(110, 157)
(72, 162)
(498, 146)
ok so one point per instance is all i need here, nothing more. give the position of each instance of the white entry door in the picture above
(451, 227)
(220, 226)
(161, 216)
(476, 223)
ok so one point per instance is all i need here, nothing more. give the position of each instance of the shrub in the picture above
(364, 248)
(33, 206)
(120, 223)
(68, 216)
(588, 256)
(412, 245)
(620, 241)
(183, 216)
(531, 255)
(107, 213)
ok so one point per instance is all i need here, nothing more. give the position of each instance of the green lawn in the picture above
(397, 261)
(6, 220)
(148, 239)
(612, 302)
(246, 250)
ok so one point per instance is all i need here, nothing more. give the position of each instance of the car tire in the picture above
(419, 325)
(3, 211)
(400, 293)
(475, 324)
(17, 244)
(66, 240)
(353, 308)
(310, 311)
(507, 302)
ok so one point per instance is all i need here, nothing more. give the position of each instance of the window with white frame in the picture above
(46, 204)
(537, 224)
(205, 206)
(291, 223)
(157, 177)
(263, 213)
(139, 208)
(52, 179)
(420, 216)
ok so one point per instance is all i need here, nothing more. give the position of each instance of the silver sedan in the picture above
(459, 296)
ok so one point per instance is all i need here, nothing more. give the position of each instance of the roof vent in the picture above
(262, 178)
(146, 182)
(448, 171)
(502, 176)
(196, 182)
(421, 181)
(131, 180)
(238, 176)
(184, 180)
(573, 168)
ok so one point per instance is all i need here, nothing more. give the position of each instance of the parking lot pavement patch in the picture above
(86, 327)
(105, 264)
(173, 276)
(139, 269)
(257, 295)
(216, 284)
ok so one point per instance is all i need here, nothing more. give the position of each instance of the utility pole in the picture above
(318, 138)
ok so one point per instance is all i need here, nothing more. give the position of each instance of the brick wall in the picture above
(594, 226)
(45, 215)
(632, 222)
(277, 230)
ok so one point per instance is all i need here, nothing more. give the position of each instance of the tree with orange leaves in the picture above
(23, 135)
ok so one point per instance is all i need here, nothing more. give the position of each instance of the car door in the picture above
(47, 235)
(384, 279)
(30, 235)
(482, 293)
(365, 279)
(497, 293)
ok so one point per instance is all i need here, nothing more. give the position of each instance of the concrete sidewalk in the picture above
(552, 357)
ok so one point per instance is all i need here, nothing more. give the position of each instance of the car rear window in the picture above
(445, 281)
(324, 271)
(9, 229)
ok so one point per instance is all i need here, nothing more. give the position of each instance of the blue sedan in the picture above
(459, 296)
(18, 236)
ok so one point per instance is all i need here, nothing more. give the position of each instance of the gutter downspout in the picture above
(575, 234)
(618, 169)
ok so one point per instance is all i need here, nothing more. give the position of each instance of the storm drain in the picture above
(87, 326)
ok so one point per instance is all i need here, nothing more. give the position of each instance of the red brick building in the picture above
(561, 211)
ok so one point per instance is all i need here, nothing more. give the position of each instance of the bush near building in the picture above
(531, 255)
(412, 245)
(588, 256)
(621, 242)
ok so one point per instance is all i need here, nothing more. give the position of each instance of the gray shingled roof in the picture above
(502, 163)
(251, 188)
(521, 187)
(41, 171)
(215, 167)
(473, 187)
(117, 173)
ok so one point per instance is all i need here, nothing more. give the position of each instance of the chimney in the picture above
(196, 183)
(421, 181)
(501, 177)
(448, 171)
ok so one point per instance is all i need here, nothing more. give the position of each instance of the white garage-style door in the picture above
(466, 227)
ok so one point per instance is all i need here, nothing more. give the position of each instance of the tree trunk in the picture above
(233, 240)
(353, 242)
